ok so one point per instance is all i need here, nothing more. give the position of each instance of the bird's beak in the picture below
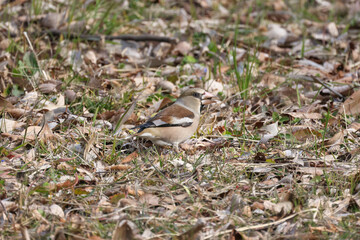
(208, 98)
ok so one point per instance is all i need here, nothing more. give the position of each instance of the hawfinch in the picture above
(178, 122)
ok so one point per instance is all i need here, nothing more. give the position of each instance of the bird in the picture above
(177, 122)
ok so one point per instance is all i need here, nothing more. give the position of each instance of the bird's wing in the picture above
(172, 116)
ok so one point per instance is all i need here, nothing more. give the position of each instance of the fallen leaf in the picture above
(271, 131)
(41, 132)
(118, 167)
(183, 48)
(130, 157)
(337, 139)
(5, 104)
(283, 208)
(166, 86)
(331, 27)
(7, 125)
(352, 104)
(305, 115)
(192, 233)
(130, 190)
(16, 113)
(57, 211)
(150, 199)
(47, 88)
(125, 230)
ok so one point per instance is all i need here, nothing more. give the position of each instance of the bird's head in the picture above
(196, 97)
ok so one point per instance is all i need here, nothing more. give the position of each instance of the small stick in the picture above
(126, 37)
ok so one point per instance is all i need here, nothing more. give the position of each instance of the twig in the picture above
(329, 88)
(261, 226)
(25, 233)
(315, 79)
(97, 38)
(227, 136)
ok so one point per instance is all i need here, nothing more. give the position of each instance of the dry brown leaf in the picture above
(25, 233)
(74, 26)
(323, 229)
(7, 125)
(166, 86)
(57, 211)
(64, 166)
(276, 31)
(47, 133)
(283, 208)
(124, 117)
(60, 103)
(37, 215)
(5, 104)
(355, 126)
(70, 95)
(331, 27)
(150, 199)
(311, 170)
(303, 133)
(13, 137)
(94, 237)
(125, 230)
(247, 211)
(305, 115)
(5, 43)
(257, 205)
(9, 206)
(337, 139)
(343, 205)
(130, 157)
(352, 105)
(130, 190)
(182, 47)
(180, 197)
(104, 206)
(270, 131)
(118, 167)
(90, 57)
(53, 20)
(192, 234)
(33, 132)
(279, 5)
(47, 88)
(214, 87)
(16, 112)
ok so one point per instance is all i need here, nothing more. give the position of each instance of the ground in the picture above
(275, 156)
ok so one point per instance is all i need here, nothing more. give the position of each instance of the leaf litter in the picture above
(276, 157)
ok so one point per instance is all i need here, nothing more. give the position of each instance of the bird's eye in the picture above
(197, 95)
